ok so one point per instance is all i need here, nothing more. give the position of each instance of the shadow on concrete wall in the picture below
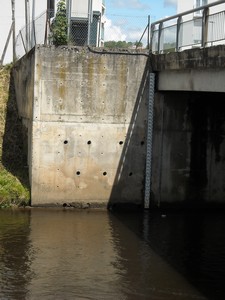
(207, 167)
(128, 186)
(14, 152)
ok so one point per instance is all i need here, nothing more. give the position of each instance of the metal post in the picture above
(151, 37)
(159, 36)
(148, 172)
(27, 19)
(179, 20)
(14, 30)
(148, 42)
(24, 46)
(69, 6)
(205, 26)
(89, 21)
(33, 25)
(34, 33)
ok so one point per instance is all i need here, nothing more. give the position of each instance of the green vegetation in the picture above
(122, 44)
(14, 188)
(59, 25)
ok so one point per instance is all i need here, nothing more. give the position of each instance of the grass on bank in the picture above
(14, 187)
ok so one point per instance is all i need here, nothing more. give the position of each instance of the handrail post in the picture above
(179, 20)
(159, 36)
(205, 26)
(152, 35)
(148, 42)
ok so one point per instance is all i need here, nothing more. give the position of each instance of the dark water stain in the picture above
(198, 114)
(206, 114)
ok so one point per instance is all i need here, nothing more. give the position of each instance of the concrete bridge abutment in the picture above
(86, 119)
(86, 116)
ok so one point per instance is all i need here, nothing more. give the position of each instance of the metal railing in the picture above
(36, 32)
(199, 27)
(101, 32)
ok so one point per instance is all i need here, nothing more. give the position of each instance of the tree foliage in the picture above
(122, 44)
(59, 25)
(119, 44)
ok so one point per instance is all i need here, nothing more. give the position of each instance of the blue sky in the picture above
(125, 19)
(157, 9)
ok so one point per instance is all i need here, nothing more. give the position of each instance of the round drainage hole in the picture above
(104, 173)
(89, 142)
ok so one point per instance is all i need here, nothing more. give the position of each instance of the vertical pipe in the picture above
(148, 171)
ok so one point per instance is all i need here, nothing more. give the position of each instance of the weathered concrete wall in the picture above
(88, 126)
(196, 58)
(202, 80)
(189, 149)
(197, 70)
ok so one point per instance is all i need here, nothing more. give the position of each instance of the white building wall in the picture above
(80, 8)
(97, 5)
(185, 5)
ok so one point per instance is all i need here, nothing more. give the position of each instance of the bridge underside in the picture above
(189, 149)
(200, 80)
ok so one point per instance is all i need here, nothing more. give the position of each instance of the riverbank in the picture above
(14, 183)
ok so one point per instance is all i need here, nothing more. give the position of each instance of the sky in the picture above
(157, 9)
(124, 19)
(127, 19)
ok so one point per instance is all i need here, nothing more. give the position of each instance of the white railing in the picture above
(200, 27)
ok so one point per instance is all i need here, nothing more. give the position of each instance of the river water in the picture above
(69, 254)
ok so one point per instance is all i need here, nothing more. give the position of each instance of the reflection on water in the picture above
(66, 254)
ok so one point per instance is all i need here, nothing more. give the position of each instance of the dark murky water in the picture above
(56, 254)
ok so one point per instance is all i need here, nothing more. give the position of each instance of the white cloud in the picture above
(135, 35)
(113, 32)
(170, 2)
